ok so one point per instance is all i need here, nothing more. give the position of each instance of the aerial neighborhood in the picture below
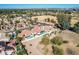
(39, 31)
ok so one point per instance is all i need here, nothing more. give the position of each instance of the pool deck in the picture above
(33, 49)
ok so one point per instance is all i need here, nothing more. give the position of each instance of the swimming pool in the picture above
(30, 36)
(33, 36)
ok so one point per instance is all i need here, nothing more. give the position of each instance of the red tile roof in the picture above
(24, 32)
(36, 29)
(12, 42)
(46, 28)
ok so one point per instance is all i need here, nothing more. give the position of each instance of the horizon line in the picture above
(37, 6)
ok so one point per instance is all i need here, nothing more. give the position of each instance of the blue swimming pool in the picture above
(32, 36)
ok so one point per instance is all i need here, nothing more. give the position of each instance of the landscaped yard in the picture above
(20, 49)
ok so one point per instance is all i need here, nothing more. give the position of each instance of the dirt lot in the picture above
(73, 40)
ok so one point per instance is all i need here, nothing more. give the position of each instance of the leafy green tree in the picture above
(11, 16)
(76, 27)
(48, 19)
(19, 38)
(45, 40)
(17, 21)
(65, 41)
(52, 21)
(20, 48)
(64, 21)
(77, 45)
(17, 31)
(57, 51)
(35, 20)
(57, 40)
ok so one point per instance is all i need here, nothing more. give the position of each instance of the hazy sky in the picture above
(39, 5)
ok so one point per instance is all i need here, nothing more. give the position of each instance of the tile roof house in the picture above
(46, 28)
(24, 33)
(12, 42)
(7, 47)
(36, 29)
(21, 26)
(9, 50)
(27, 32)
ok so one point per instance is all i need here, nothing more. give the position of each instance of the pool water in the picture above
(32, 36)
(43, 33)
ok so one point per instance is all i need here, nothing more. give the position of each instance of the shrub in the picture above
(58, 51)
(65, 41)
(77, 45)
(64, 21)
(57, 40)
(46, 51)
(45, 40)
(76, 27)
(18, 31)
(17, 21)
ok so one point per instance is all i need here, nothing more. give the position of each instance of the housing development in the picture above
(39, 31)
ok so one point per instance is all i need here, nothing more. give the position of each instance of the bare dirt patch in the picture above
(73, 39)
